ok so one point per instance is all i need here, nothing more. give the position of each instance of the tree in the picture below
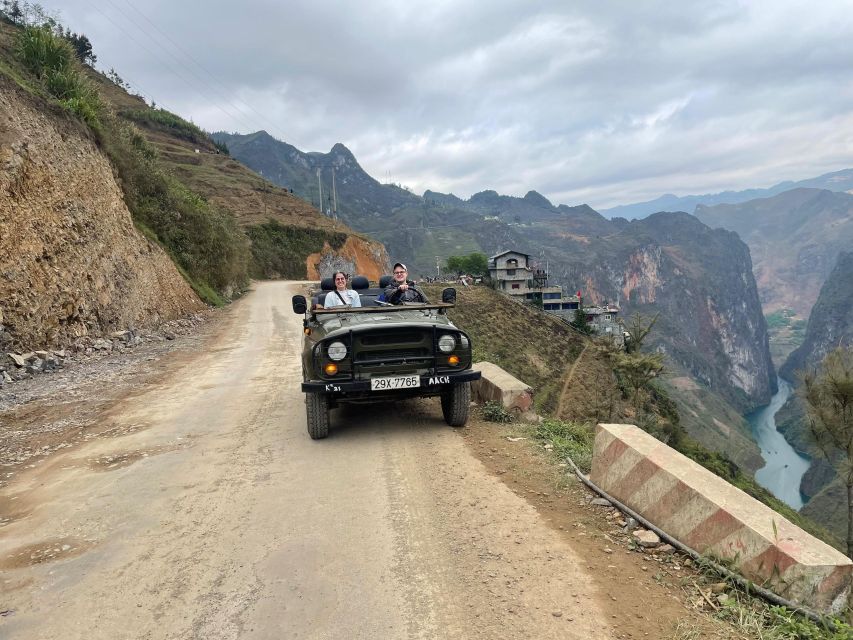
(476, 264)
(637, 330)
(82, 47)
(580, 322)
(828, 395)
(638, 370)
(456, 264)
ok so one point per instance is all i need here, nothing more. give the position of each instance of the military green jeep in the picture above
(380, 352)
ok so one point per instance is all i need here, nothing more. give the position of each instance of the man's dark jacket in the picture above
(412, 294)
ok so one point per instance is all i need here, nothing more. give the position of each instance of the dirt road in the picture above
(215, 516)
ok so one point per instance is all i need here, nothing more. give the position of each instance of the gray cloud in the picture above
(598, 102)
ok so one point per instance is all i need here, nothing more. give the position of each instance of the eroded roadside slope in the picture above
(71, 260)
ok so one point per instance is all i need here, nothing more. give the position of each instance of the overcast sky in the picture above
(599, 102)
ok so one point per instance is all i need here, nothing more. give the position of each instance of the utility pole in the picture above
(320, 186)
(437, 267)
(334, 196)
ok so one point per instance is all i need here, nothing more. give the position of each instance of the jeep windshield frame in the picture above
(383, 309)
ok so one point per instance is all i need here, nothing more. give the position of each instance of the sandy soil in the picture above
(183, 498)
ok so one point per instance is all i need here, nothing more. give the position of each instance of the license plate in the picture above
(395, 382)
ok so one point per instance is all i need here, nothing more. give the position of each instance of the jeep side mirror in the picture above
(299, 304)
(448, 296)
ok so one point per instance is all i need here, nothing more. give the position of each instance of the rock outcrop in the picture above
(794, 238)
(831, 322)
(72, 262)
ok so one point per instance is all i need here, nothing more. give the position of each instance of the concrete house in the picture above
(512, 274)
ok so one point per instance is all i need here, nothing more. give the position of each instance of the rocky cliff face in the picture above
(71, 260)
(831, 321)
(356, 256)
(700, 282)
(830, 325)
(794, 238)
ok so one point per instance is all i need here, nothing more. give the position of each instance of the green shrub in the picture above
(41, 51)
(53, 61)
(203, 240)
(784, 623)
(569, 440)
(495, 412)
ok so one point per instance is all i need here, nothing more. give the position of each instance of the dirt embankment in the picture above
(71, 260)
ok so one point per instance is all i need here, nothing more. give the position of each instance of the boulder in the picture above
(645, 538)
(17, 359)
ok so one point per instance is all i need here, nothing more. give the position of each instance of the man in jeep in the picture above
(401, 290)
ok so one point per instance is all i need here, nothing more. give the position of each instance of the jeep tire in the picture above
(317, 410)
(455, 403)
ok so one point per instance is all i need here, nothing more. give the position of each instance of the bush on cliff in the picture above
(53, 61)
(203, 239)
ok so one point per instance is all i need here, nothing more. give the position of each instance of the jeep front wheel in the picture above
(317, 409)
(455, 403)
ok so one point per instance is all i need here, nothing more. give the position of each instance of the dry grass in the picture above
(533, 346)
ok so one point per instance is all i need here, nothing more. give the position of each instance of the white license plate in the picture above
(395, 382)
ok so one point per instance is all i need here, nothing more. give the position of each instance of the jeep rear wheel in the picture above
(455, 403)
(317, 409)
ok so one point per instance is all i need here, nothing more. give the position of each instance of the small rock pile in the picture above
(24, 364)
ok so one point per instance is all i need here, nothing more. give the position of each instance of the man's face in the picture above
(400, 275)
(340, 281)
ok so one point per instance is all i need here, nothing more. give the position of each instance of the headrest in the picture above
(327, 284)
(384, 281)
(360, 282)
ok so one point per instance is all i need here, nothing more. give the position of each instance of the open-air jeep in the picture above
(381, 352)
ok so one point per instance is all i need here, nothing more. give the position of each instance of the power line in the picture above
(166, 64)
(177, 46)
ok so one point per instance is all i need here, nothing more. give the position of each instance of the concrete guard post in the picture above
(496, 385)
(706, 513)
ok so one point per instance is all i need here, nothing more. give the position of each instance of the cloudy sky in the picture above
(603, 102)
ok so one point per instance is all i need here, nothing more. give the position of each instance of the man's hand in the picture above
(403, 287)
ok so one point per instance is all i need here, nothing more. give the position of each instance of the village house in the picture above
(513, 274)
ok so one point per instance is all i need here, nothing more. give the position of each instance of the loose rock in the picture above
(645, 538)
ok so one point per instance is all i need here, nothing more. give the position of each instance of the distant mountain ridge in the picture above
(795, 238)
(840, 181)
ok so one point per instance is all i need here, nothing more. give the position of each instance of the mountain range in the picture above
(836, 181)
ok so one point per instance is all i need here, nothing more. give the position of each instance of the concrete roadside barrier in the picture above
(496, 385)
(708, 514)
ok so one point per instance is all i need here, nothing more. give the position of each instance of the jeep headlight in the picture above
(446, 343)
(337, 351)
(463, 340)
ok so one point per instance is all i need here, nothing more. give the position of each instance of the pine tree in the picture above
(828, 395)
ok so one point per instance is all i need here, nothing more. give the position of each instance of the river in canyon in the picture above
(784, 467)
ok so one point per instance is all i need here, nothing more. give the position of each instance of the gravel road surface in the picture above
(215, 516)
